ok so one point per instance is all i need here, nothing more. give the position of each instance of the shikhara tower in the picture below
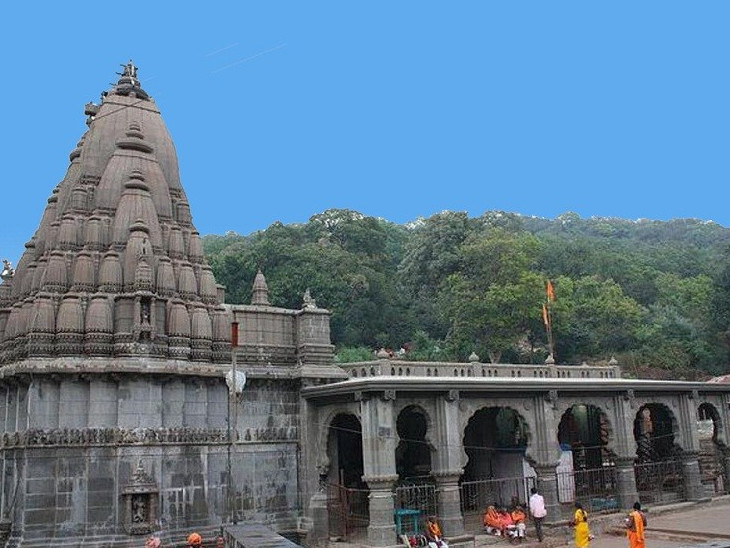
(116, 267)
(114, 347)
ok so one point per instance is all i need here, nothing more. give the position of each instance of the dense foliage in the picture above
(653, 294)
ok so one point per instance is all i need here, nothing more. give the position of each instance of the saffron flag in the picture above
(545, 317)
(550, 291)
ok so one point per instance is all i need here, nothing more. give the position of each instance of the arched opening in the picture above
(586, 471)
(347, 494)
(416, 488)
(496, 472)
(710, 457)
(654, 433)
(584, 431)
(413, 454)
(658, 470)
(344, 448)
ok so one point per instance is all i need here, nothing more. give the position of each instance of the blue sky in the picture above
(280, 110)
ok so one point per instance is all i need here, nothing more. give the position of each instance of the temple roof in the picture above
(116, 266)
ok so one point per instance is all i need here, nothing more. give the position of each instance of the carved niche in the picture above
(140, 499)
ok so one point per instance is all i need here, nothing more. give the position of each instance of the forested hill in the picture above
(653, 294)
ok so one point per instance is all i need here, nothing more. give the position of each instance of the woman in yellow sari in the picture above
(580, 524)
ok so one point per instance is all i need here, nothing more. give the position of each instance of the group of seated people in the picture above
(509, 524)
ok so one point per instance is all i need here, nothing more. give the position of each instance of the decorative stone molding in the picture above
(452, 395)
(284, 433)
(552, 398)
(630, 398)
(388, 478)
(113, 436)
(388, 395)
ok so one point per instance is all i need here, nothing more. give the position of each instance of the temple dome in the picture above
(116, 266)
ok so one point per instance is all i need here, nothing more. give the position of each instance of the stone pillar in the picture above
(726, 464)
(624, 444)
(449, 504)
(378, 451)
(319, 513)
(448, 463)
(693, 488)
(381, 530)
(626, 482)
(547, 486)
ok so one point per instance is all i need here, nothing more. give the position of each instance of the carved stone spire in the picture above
(260, 292)
(116, 267)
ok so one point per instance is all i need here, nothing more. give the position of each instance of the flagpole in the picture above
(548, 316)
(551, 342)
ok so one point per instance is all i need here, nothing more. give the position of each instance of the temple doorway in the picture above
(347, 494)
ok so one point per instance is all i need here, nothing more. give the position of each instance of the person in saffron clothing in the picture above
(635, 524)
(433, 533)
(518, 518)
(508, 526)
(580, 524)
(492, 522)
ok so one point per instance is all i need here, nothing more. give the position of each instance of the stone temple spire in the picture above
(116, 266)
(260, 290)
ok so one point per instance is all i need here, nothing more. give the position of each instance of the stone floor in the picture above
(680, 525)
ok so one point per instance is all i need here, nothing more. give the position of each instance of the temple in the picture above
(119, 415)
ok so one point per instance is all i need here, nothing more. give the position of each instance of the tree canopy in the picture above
(653, 294)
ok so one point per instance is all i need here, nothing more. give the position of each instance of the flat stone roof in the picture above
(507, 385)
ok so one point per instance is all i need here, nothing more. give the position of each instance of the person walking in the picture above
(580, 525)
(635, 524)
(537, 511)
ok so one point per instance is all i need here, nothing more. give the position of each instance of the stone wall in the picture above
(70, 445)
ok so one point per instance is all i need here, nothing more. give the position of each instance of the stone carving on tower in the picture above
(116, 267)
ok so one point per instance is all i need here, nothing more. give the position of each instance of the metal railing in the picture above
(661, 481)
(594, 488)
(419, 494)
(348, 509)
(478, 494)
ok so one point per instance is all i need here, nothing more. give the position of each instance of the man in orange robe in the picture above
(492, 521)
(635, 524)
(518, 518)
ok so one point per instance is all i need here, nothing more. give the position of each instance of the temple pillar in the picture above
(690, 439)
(624, 444)
(379, 437)
(381, 530)
(626, 482)
(547, 486)
(544, 451)
(449, 462)
(693, 488)
(449, 504)
(319, 516)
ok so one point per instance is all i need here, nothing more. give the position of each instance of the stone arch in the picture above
(495, 441)
(339, 423)
(712, 448)
(655, 432)
(587, 431)
(345, 440)
(414, 451)
(706, 411)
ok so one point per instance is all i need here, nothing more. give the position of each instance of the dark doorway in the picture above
(586, 431)
(654, 433)
(413, 454)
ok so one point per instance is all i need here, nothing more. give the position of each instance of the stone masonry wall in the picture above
(70, 444)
